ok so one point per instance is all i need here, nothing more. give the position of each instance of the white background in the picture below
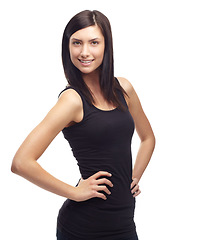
(157, 46)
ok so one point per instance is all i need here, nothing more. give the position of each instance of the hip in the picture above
(62, 236)
(97, 210)
(82, 220)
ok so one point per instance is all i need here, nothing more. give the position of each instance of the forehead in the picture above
(88, 33)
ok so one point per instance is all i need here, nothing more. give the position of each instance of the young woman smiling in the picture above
(97, 114)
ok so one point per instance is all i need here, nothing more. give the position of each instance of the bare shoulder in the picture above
(71, 98)
(126, 85)
(133, 99)
(69, 107)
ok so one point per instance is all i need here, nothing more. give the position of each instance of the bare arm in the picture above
(68, 109)
(144, 131)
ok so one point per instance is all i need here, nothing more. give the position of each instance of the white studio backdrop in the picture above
(157, 46)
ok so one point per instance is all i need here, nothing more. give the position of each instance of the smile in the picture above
(86, 61)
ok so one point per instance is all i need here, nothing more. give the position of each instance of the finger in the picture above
(134, 182)
(137, 193)
(104, 181)
(101, 173)
(135, 189)
(100, 195)
(103, 188)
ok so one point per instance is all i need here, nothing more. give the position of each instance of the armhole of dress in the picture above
(70, 87)
(122, 95)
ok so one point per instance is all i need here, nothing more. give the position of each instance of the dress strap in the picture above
(121, 94)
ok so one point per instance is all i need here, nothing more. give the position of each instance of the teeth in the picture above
(86, 61)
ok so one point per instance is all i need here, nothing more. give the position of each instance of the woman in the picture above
(96, 113)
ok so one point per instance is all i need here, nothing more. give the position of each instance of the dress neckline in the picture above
(104, 110)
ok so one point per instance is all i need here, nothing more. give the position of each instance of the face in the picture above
(87, 49)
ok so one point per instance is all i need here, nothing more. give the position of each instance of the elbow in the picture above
(16, 166)
(150, 141)
(151, 138)
(21, 165)
(154, 141)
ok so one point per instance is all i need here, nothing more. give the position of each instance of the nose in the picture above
(85, 51)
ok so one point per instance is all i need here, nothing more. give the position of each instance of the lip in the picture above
(86, 62)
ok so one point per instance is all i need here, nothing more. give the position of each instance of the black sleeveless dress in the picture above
(101, 142)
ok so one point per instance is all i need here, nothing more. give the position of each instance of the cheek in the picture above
(99, 53)
(74, 52)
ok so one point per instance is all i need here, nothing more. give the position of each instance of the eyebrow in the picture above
(76, 39)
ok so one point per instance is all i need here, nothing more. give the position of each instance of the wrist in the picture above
(72, 193)
(134, 178)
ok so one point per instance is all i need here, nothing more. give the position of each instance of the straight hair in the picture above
(108, 84)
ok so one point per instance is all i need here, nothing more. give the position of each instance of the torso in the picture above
(101, 141)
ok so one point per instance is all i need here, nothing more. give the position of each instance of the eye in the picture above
(76, 43)
(94, 42)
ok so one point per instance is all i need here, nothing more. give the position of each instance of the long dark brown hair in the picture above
(109, 86)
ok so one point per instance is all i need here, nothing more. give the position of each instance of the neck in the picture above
(92, 80)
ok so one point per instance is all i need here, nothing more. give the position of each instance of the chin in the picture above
(88, 70)
(85, 71)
